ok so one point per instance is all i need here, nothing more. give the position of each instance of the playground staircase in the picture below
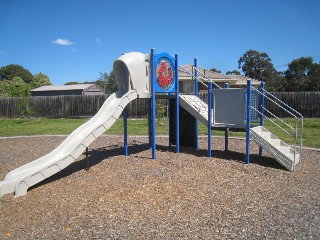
(196, 107)
(281, 151)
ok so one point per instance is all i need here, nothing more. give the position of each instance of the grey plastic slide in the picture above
(19, 180)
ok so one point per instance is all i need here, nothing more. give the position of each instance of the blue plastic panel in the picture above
(164, 70)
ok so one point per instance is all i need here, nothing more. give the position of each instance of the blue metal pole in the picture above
(209, 118)
(150, 122)
(262, 113)
(169, 118)
(177, 104)
(248, 121)
(226, 131)
(153, 105)
(196, 92)
(125, 130)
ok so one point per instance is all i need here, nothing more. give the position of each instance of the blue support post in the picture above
(196, 93)
(262, 112)
(153, 106)
(177, 104)
(226, 131)
(150, 122)
(248, 121)
(209, 118)
(169, 119)
(125, 130)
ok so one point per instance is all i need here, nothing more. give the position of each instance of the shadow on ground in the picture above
(98, 155)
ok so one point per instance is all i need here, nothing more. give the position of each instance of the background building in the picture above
(76, 89)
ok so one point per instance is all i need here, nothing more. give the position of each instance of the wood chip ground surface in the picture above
(178, 196)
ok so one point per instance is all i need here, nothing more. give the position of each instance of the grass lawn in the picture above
(18, 127)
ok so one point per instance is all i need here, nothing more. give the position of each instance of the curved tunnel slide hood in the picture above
(132, 71)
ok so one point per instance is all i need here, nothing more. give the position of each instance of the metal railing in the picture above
(295, 131)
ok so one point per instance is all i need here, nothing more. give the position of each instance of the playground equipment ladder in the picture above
(287, 156)
(282, 152)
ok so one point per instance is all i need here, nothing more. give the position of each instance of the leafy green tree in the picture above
(302, 75)
(254, 63)
(18, 87)
(71, 83)
(258, 66)
(215, 70)
(4, 89)
(233, 72)
(13, 70)
(102, 81)
(39, 80)
(112, 84)
(314, 75)
(107, 82)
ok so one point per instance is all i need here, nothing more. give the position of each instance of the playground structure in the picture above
(156, 75)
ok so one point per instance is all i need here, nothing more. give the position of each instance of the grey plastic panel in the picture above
(229, 106)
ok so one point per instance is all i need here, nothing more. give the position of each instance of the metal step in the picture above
(282, 152)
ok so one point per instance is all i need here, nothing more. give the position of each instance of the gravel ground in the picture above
(178, 196)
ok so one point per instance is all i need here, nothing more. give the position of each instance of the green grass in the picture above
(18, 127)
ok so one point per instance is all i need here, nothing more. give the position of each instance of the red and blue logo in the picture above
(164, 73)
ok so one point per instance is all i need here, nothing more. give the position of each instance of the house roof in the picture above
(64, 87)
(238, 80)
(242, 80)
(217, 77)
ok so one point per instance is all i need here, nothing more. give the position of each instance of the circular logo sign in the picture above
(165, 73)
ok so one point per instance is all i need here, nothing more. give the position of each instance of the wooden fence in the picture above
(308, 103)
(66, 106)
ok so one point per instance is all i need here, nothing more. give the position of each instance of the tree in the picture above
(71, 83)
(215, 70)
(302, 75)
(39, 80)
(107, 82)
(4, 89)
(112, 84)
(13, 70)
(258, 66)
(314, 75)
(254, 63)
(18, 88)
(233, 72)
(102, 81)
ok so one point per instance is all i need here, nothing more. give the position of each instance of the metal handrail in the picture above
(290, 111)
(280, 119)
(279, 100)
(272, 121)
(276, 103)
